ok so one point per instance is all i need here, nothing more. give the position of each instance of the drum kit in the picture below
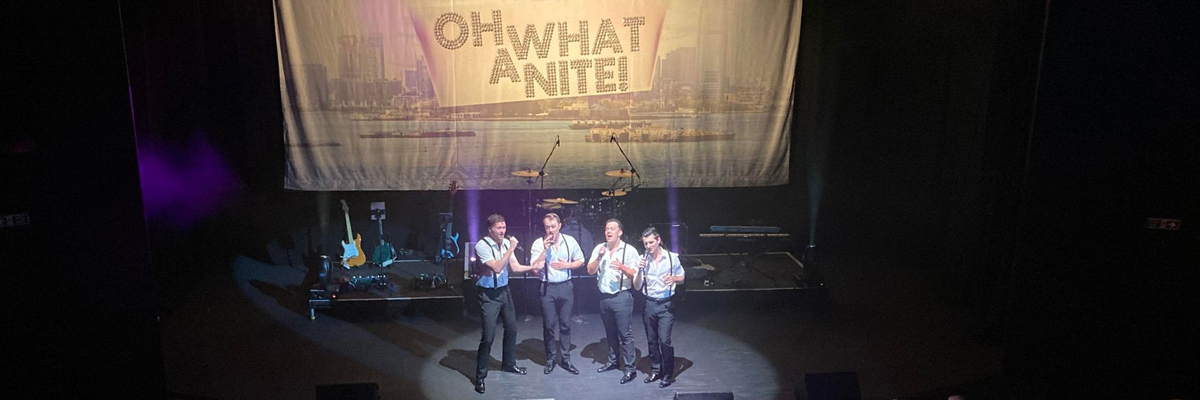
(587, 211)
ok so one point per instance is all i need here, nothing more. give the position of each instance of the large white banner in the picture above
(409, 95)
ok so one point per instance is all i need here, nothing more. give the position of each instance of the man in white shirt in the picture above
(659, 271)
(613, 263)
(495, 258)
(558, 254)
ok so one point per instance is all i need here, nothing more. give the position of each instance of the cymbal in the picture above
(560, 200)
(613, 193)
(620, 173)
(549, 206)
(529, 173)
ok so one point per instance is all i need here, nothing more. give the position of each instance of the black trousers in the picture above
(557, 300)
(496, 302)
(616, 310)
(659, 318)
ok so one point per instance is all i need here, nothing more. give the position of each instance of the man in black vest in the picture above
(495, 255)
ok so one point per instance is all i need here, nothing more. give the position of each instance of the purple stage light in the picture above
(673, 213)
(183, 185)
(473, 216)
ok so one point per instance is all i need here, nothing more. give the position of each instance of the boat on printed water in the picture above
(591, 124)
(386, 116)
(314, 144)
(655, 135)
(444, 133)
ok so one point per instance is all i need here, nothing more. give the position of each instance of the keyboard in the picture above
(743, 229)
(744, 235)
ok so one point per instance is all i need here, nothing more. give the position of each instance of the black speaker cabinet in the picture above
(830, 386)
(704, 396)
(348, 391)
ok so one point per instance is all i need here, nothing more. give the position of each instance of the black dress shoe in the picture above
(667, 381)
(628, 377)
(653, 377)
(607, 367)
(514, 369)
(570, 368)
(549, 367)
(479, 385)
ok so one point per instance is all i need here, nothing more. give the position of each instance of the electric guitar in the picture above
(384, 254)
(352, 253)
(450, 247)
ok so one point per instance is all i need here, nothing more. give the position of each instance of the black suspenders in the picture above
(670, 272)
(621, 286)
(495, 279)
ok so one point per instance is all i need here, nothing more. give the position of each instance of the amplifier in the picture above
(429, 281)
(365, 282)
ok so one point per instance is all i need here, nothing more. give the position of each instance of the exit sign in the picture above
(14, 220)
(1162, 223)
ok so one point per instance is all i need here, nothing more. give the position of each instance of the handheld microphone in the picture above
(519, 245)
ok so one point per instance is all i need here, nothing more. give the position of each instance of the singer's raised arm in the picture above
(597, 254)
(537, 252)
(488, 258)
(642, 267)
(497, 264)
(515, 265)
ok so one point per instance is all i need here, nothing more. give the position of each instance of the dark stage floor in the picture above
(245, 333)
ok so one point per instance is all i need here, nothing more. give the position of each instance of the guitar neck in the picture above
(349, 233)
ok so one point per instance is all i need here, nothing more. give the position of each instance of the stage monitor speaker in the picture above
(829, 386)
(704, 396)
(348, 391)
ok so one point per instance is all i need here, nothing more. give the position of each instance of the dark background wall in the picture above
(1099, 303)
(81, 316)
(914, 136)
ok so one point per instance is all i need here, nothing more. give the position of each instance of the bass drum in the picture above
(576, 230)
(596, 211)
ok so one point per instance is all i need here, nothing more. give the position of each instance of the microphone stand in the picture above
(541, 187)
(528, 209)
(542, 172)
(633, 170)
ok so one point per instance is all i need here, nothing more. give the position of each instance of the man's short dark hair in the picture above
(650, 232)
(619, 224)
(494, 219)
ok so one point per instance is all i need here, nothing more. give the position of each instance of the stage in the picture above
(247, 333)
(424, 280)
